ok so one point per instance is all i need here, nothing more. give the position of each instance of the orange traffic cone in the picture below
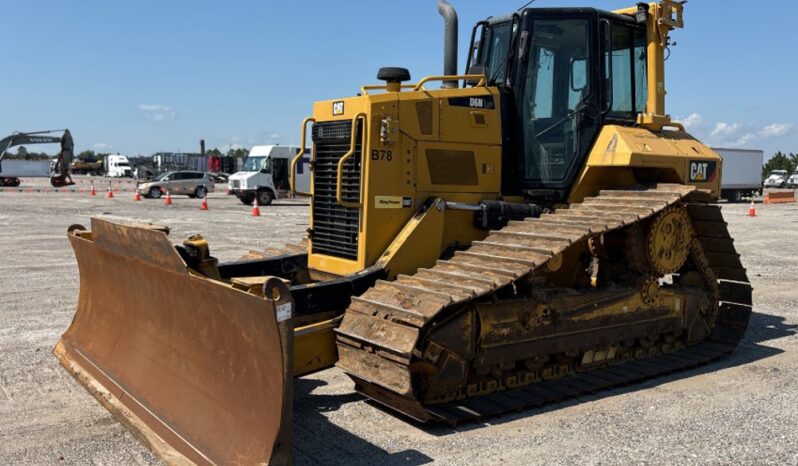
(168, 199)
(204, 205)
(255, 208)
(752, 210)
(92, 192)
(110, 194)
(137, 196)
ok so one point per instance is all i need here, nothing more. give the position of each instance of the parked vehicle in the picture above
(265, 174)
(792, 182)
(776, 179)
(220, 177)
(741, 173)
(189, 183)
(118, 166)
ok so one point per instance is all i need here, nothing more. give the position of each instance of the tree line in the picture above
(22, 153)
(238, 153)
(780, 161)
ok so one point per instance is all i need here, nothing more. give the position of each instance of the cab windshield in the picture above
(254, 164)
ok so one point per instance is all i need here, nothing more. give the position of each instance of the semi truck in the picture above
(742, 169)
(776, 179)
(118, 166)
(265, 174)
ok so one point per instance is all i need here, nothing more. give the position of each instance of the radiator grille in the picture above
(335, 228)
(424, 114)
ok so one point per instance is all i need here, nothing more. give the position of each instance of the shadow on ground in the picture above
(318, 441)
(325, 443)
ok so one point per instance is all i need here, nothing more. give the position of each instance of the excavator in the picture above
(533, 230)
(60, 175)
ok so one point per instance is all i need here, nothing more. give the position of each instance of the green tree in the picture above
(238, 153)
(214, 152)
(22, 153)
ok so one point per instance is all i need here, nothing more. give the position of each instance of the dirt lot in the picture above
(743, 410)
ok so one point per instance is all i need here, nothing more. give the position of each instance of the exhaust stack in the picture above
(449, 41)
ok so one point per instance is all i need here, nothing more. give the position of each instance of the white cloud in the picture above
(102, 145)
(776, 130)
(725, 130)
(157, 112)
(733, 134)
(274, 136)
(151, 107)
(739, 135)
(692, 121)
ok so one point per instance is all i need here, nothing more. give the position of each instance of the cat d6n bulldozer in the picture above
(532, 230)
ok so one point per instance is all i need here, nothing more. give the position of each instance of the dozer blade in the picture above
(195, 368)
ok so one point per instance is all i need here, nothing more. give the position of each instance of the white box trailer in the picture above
(25, 168)
(742, 173)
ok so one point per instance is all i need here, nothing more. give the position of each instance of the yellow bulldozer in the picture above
(535, 229)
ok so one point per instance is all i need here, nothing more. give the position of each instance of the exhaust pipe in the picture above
(449, 41)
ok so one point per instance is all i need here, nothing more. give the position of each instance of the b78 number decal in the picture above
(381, 155)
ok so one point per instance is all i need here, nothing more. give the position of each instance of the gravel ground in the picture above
(743, 410)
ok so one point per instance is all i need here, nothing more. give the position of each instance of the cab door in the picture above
(558, 95)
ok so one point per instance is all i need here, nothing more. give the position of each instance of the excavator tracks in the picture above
(384, 343)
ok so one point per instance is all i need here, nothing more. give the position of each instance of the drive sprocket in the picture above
(668, 242)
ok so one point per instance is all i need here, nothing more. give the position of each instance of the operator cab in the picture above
(563, 73)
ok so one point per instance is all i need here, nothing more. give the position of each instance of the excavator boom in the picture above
(60, 174)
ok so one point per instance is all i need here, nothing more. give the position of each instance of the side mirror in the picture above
(578, 74)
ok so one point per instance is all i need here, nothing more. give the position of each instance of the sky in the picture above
(147, 76)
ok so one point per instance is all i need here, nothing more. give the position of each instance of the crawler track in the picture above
(384, 332)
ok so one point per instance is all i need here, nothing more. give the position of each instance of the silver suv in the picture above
(189, 183)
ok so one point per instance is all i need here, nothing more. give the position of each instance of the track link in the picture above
(383, 329)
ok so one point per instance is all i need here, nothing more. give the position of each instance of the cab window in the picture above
(495, 49)
(629, 76)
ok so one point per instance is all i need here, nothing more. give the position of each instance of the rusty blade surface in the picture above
(192, 366)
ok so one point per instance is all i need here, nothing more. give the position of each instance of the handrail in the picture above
(420, 85)
(373, 87)
(298, 157)
(339, 179)
(458, 77)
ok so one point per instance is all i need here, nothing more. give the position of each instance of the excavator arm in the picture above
(60, 175)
